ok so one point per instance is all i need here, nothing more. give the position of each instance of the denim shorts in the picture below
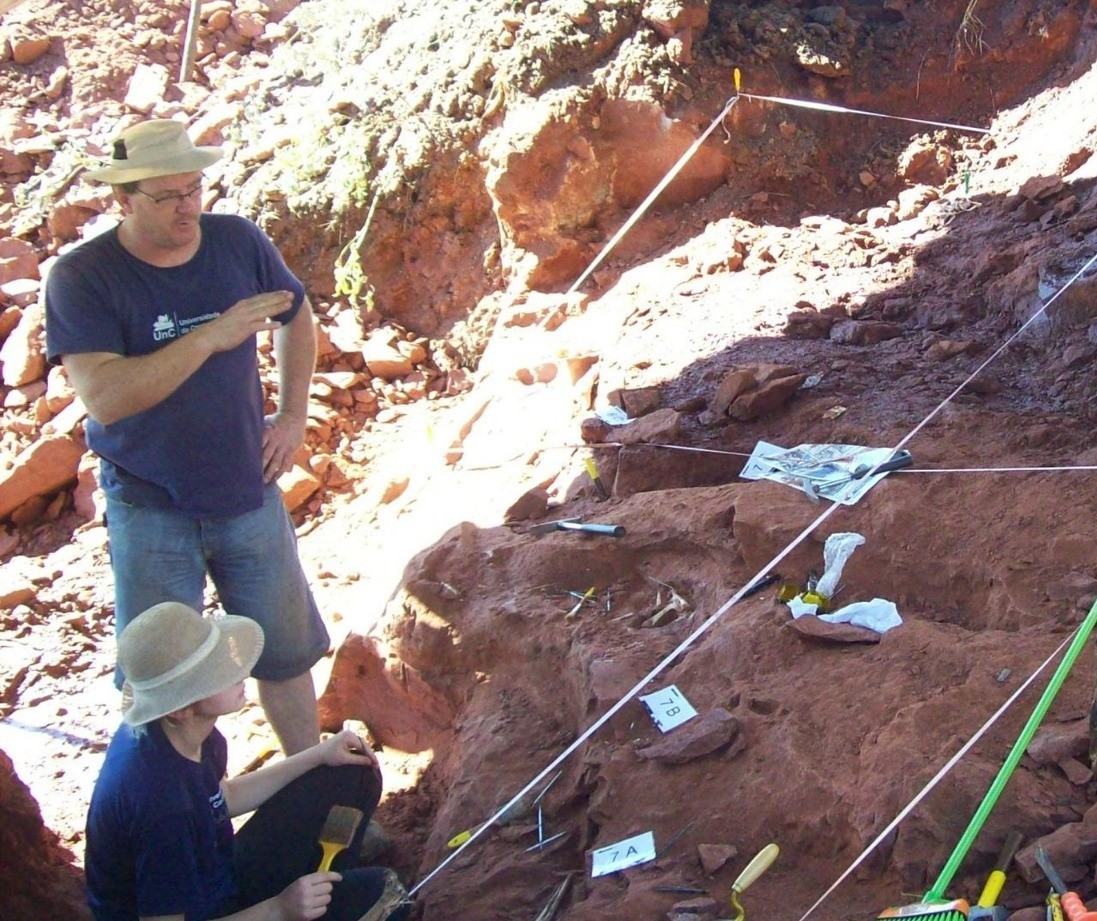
(159, 555)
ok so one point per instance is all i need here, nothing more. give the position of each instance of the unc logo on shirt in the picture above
(217, 805)
(164, 328)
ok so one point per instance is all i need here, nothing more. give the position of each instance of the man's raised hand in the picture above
(246, 318)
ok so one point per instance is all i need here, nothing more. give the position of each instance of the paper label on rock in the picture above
(668, 707)
(624, 854)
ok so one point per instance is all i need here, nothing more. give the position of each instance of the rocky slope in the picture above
(442, 175)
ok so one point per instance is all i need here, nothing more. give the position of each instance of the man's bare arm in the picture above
(295, 356)
(114, 387)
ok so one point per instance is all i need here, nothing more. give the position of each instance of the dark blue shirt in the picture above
(159, 838)
(199, 451)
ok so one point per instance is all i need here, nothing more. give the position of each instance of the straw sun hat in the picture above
(154, 148)
(173, 657)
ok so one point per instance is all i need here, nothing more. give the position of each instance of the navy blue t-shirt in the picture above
(159, 838)
(200, 450)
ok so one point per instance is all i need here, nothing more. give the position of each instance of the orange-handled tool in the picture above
(1073, 906)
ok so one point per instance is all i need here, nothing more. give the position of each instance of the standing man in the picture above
(155, 322)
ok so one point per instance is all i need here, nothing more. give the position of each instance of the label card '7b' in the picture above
(668, 707)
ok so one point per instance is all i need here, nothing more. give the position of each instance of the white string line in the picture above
(689, 640)
(665, 663)
(903, 472)
(998, 351)
(629, 695)
(906, 470)
(654, 194)
(565, 446)
(829, 107)
(948, 766)
(997, 469)
(703, 628)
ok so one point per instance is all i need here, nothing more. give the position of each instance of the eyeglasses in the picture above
(173, 197)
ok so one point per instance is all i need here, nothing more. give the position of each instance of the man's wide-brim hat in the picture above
(154, 148)
(172, 657)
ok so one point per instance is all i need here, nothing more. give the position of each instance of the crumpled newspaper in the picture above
(823, 471)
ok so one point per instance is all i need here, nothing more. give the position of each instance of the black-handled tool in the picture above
(897, 461)
(818, 487)
(574, 524)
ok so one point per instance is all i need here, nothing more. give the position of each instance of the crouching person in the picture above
(160, 843)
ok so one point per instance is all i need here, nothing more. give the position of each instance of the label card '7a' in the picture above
(624, 854)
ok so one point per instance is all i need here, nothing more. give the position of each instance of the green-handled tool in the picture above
(955, 910)
(934, 905)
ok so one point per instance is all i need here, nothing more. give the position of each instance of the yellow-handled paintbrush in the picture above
(338, 832)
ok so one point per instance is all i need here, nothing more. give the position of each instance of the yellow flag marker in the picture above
(737, 78)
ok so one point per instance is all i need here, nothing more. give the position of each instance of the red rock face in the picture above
(37, 876)
(792, 238)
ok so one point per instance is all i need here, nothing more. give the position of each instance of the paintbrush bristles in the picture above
(341, 824)
(338, 832)
(956, 910)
